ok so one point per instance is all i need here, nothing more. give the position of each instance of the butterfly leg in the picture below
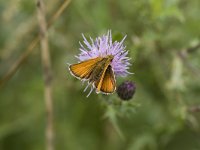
(83, 82)
(90, 91)
(86, 87)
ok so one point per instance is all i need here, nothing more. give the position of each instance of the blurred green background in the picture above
(163, 41)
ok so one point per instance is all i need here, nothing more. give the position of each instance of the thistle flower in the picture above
(104, 46)
(99, 61)
(126, 90)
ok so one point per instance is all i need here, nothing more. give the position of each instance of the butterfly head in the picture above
(110, 57)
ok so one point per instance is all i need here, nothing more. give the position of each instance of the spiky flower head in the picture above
(126, 90)
(104, 46)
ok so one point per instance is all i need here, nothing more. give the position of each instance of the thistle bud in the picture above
(126, 90)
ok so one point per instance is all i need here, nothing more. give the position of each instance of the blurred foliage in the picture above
(159, 33)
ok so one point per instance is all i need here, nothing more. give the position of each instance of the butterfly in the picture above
(98, 72)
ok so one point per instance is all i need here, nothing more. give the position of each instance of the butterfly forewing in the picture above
(108, 83)
(83, 69)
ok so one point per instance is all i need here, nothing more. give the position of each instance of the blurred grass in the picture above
(157, 118)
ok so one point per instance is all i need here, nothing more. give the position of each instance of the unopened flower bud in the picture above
(126, 90)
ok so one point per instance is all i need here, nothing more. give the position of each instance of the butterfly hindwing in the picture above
(106, 85)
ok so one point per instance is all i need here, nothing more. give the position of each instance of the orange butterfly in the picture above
(98, 72)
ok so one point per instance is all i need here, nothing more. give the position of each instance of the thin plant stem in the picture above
(111, 114)
(47, 73)
(12, 70)
(16, 65)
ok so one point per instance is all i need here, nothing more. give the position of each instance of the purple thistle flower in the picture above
(104, 46)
